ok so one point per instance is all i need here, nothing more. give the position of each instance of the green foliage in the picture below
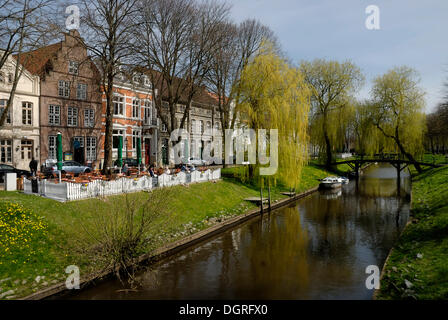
(398, 105)
(333, 85)
(273, 95)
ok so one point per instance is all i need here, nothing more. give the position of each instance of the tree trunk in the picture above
(328, 156)
(409, 156)
(107, 166)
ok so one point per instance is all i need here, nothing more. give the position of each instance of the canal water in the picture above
(316, 248)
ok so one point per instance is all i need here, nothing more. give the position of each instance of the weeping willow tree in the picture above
(332, 86)
(274, 95)
(368, 140)
(398, 111)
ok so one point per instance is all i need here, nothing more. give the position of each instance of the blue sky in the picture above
(412, 32)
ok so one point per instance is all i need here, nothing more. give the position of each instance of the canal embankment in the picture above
(199, 211)
(417, 266)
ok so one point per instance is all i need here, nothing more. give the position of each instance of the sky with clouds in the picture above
(412, 33)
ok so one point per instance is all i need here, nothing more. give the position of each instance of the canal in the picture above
(315, 248)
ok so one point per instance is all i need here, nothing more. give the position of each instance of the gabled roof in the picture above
(35, 61)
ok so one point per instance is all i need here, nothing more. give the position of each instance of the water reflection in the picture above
(317, 248)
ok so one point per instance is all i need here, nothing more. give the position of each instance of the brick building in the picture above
(70, 99)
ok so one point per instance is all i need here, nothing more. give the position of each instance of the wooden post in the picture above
(261, 199)
(398, 178)
(269, 193)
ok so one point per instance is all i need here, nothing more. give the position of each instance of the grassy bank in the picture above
(54, 230)
(418, 265)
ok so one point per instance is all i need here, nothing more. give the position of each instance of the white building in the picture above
(19, 136)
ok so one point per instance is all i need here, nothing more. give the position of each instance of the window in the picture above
(118, 105)
(115, 138)
(149, 113)
(72, 116)
(89, 117)
(54, 115)
(193, 126)
(78, 142)
(64, 89)
(3, 103)
(209, 125)
(201, 126)
(135, 135)
(73, 67)
(90, 148)
(26, 149)
(52, 147)
(135, 108)
(10, 78)
(81, 93)
(2, 77)
(164, 129)
(5, 151)
(146, 81)
(27, 113)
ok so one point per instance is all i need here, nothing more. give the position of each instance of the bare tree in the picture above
(24, 26)
(240, 43)
(177, 39)
(107, 30)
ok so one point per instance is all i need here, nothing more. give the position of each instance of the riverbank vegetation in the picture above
(73, 229)
(418, 265)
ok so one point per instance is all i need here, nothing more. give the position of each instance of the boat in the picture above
(330, 183)
(344, 180)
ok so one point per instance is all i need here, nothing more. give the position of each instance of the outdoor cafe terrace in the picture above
(89, 185)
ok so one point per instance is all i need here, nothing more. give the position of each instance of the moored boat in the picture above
(330, 183)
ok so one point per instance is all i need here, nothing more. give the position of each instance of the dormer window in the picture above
(136, 79)
(146, 81)
(73, 67)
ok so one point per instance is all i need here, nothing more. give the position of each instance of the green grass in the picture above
(421, 254)
(192, 208)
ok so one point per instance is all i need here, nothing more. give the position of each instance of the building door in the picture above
(26, 149)
(147, 151)
(78, 149)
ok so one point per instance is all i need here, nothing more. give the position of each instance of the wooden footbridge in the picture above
(399, 164)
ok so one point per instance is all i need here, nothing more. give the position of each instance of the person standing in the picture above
(33, 167)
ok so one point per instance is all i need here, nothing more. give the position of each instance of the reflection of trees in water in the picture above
(275, 258)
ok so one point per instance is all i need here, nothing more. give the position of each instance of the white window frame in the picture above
(54, 115)
(81, 91)
(89, 117)
(73, 67)
(52, 147)
(119, 102)
(3, 104)
(90, 148)
(136, 103)
(136, 134)
(64, 89)
(27, 113)
(72, 116)
(5, 150)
